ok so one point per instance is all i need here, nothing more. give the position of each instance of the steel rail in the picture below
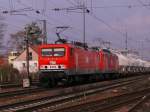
(139, 102)
(36, 89)
(21, 92)
(109, 104)
(41, 102)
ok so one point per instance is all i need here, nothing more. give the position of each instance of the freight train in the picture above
(75, 62)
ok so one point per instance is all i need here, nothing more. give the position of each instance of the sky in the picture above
(108, 20)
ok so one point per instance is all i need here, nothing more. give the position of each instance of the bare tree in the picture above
(17, 40)
(2, 30)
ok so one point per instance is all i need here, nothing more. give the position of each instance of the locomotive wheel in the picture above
(44, 82)
(69, 81)
(47, 81)
(113, 76)
(106, 76)
(52, 82)
(101, 77)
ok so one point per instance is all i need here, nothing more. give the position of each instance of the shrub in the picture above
(9, 74)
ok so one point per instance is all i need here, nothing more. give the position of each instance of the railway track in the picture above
(139, 103)
(8, 85)
(37, 89)
(107, 105)
(12, 85)
(52, 101)
(21, 92)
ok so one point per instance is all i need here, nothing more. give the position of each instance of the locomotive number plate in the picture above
(53, 66)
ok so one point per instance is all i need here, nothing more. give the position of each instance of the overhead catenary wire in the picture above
(51, 3)
(35, 18)
(23, 4)
(128, 6)
(147, 5)
(143, 4)
(91, 7)
(108, 25)
(46, 17)
(99, 20)
(44, 6)
(11, 6)
(72, 3)
(119, 6)
(73, 28)
(103, 22)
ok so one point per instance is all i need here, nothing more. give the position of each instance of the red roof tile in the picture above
(35, 48)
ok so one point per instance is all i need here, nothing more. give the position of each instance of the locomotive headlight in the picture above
(59, 66)
(45, 67)
(63, 66)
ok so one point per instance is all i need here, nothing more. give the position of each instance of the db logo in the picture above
(52, 62)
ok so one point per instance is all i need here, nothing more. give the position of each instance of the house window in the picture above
(24, 65)
(12, 59)
(35, 64)
(14, 54)
(30, 55)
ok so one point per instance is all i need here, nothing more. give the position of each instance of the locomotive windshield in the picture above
(59, 51)
(47, 52)
(53, 52)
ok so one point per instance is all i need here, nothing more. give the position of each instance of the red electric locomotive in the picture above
(108, 64)
(66, 62)
(75, 62)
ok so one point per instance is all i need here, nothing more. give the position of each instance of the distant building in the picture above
(20, 61)
(3, 61)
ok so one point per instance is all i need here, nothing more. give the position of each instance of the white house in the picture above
(20, 62)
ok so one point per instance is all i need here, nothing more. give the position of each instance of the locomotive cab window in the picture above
(59, 51)
(53, 52)
(47, 52)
